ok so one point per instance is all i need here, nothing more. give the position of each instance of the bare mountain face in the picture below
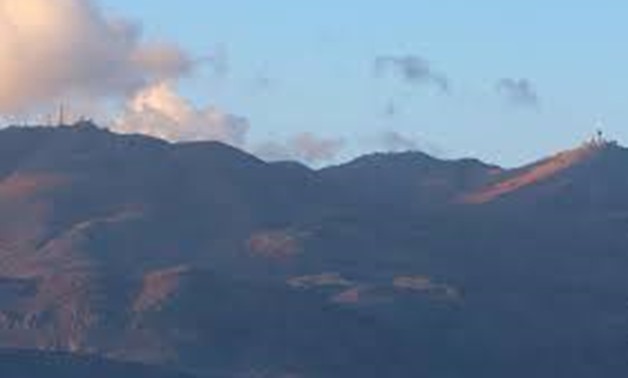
(208, 260)
(589, 176)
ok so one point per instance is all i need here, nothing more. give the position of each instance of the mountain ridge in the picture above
(203, 258)
(542, 170)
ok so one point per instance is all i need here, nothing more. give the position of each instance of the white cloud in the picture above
(160, 111)
(55, 51)
(163, 61)
(52, 49)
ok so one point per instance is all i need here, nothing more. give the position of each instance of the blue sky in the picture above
(298, 66)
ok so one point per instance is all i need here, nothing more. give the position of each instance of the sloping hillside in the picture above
(208, 260)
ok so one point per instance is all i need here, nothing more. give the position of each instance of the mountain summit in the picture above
(591, 174)
(542, 171)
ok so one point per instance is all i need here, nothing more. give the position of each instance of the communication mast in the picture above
(61, 114)
(599, 137)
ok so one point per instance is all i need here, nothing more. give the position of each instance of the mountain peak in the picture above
(387, 159)
(543, 170)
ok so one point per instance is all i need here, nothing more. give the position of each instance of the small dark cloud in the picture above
(412, 69)
(520, 92)
(263, 81)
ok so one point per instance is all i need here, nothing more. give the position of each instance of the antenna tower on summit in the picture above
(598, 138)
(61, 114)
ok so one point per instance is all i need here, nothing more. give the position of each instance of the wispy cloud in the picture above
(519, 92)
(412, 69)
(396, 141)
(307, 147)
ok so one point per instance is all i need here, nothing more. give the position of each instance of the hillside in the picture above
(205, 259)
(23, 364)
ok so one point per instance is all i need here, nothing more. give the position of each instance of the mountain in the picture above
(201, 258)
(588, 176)
(409, 179)
(24, 364)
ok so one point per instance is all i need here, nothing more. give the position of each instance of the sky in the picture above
(323, 81)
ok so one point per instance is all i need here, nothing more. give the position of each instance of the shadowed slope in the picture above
(411, 180)
(205, 258)
(26, 364)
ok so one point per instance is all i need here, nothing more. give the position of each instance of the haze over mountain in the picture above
(205, 259)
